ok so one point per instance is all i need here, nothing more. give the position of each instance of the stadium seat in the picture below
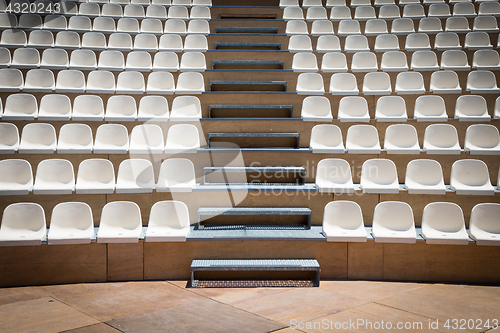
(20, 107)
(9, 138)
(339, 13)
(333, 175)
(299, 43)
(175, 228)
(349, 27)
(486, 60)
(153, 108)
(356, 43)
(54, 107)
(334, 62)
(38, 138)
(304, 62)
(190, 83)
(88, 108)
(322, 27)
(362, 139)
(70, 81)
(394, 61)
(25, 58)
(482, 139)
(379, 176)
(424, 176)
(364, 62)
(386, 42)
(130, 83)
(393, 223)
(482, 82)
(430, 25)
(445, 82)
(375, 27)
(353, 109)
(171, 42)
(23, 224)
(343, 222)
(120, 223)
(120, 42)
(409, 83)
(41, 39)
(471, 108)
(470, 177)
(54, 176)
(121, 108)
(186, 108)
(182, 138)
(100, 82)
(447, 41)
(39, 80)
(146, 139)
(401, 139)
(391, 109)
(75, 139)
(95, 176)
(441, 139)
(316, 108)
(195, 43)
(175, 26)
(111, 139)
(176, 175)
(310, 84)
(326, 139)
(71, 223)
(483, 226)
(424, 61)
(146, 42)
(443, 223)
(135, 176)
(327, 43)
(16, 176)
(343, 84)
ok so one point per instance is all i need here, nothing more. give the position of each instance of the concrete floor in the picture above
(170, 306)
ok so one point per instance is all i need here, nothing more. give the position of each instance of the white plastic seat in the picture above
(410, 83)
(327, 43)
(299, 43)
(454, 60)
(16, 176)
(38, 138)
(441, 10)
(13, 38)
(25, 58)
(393, 223)
(104, 25)
(176, 175)
(349, 27)
(326, 139)
(311, 3)
(333, 175)
(199, 13)
(128, 25)
(362, 139)
(402, 26)
(286, 3)
(178, 12)
(157, 12)
(417, 41)
(339, 13)
(144, 3)
(447, 41)
(482, 82)
(356, 43)
(497, 108)
(79, 24)
(39, 80)
(83, 60)
(175, 26)
(120, 41)
(321, 27)
(146, 139)
(445, 82)
(95, 176)
(54, 59)
(379, 3)
(193, 62)
(23, 224)
(465, 9)
(195, 43)
(133, 11)
(357, 3)
(168, 222)
(484, 226)
(75, 139)
(55, 23)
(151, 26)
(146, 42)
(9, 138)
(394, 61)
(471, 108)
(316, 13)
(170, 42)
(401, 139)
(470, 177)
(457, 24)
(70, 81)
(20, 107)
(343, 222)
(353, 109)
(71, 223)
(135, 176)
(430, 108)
(441, 139)
(316, 108)
(413, 11)
(364, 13)
(486, 59)
(391, 109)
(88, 108)
(166, 3)
(389, 12)
(182, 138)
(41, 39)
(377, 83)
(139, 61)
(304, 62)
(424, 61)
(112, 10)
(379, 176)
(94, 41)
(430, 25)
(443, 223)
(54, 176)
(424, 177)
(89, 9)
(121, 108)
(190, 83)
(8, 20)
(166, 61)
(200, 27)
(186, 108)
(477, 40)
(485, 23)
(343, 84)
(130, 83)
(120, 223)
(375, 27)
(54, 107)
(386, 42)
(489, 8)
(101, 82)
(111, 139)
(481, 139)
(153, 108)
(334, 62)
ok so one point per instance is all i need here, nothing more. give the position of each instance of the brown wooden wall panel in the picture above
(125, 262)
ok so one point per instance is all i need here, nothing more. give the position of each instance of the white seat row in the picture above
(393, 222)
(126, 25)
(422, 60)
(439, 139)
(55, 107)
(110, 60)
(379, 83)
(97, 41)
(95, 176)
(165, 3)
(377, 3)
(23, 224)
(390, 12)
(393, 108)
(401, 26)
(73, 81)
(468, 177)
(40, 138)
